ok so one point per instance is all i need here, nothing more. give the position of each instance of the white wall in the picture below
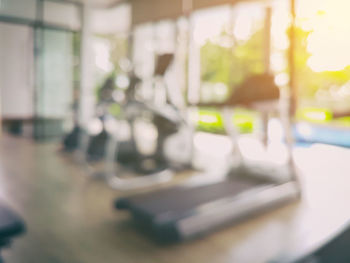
(111, 21)
(16, 71)
(62, 14)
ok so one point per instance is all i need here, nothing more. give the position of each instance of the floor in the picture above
(70, 217)
(66, 212)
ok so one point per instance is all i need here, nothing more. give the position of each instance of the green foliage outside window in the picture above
(230, 65)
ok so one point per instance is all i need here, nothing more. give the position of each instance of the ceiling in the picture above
(101, 3)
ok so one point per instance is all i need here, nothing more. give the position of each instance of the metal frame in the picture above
(126, 184)
(291, 60)
(39, 17)
(236, 208)
(79, 4)
(38, 25)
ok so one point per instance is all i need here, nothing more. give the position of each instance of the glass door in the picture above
(54, 81)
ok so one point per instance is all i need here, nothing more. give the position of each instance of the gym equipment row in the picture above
(259, 176)
(126, 167)
(248, 187)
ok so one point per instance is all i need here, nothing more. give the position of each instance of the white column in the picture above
(87, 98)
(194, 68)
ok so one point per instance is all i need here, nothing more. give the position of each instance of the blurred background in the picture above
(88, 42)
(88, 86)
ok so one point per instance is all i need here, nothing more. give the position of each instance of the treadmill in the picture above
(249, 187)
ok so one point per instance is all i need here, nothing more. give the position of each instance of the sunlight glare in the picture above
(328, 41)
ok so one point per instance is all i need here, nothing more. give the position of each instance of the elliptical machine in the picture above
(95, 146)
(89, 143)
(93, 142)
(71, 140)
(128, 166)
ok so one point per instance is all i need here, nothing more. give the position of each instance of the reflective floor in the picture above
(67, 214)
(70, 217)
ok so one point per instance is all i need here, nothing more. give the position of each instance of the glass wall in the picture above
(230, 42)
(323, 61)
(55, 74)
(55, 81)
(109, 53)
(45, 63)
(223, 45)
(24, 9)
(62, 14)
(153, 39)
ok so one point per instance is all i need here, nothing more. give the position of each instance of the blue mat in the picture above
(315, 133)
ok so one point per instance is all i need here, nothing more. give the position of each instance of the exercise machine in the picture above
(80, 137)
(11, 226)
(168, 125)
(92, 140)
(251, 184)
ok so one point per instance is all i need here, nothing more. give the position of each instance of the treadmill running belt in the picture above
(159, 213)
(181, 199)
